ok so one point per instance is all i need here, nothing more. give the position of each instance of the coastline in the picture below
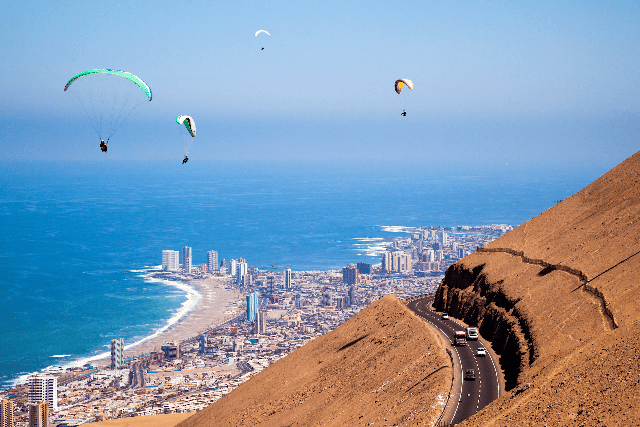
(217, 303)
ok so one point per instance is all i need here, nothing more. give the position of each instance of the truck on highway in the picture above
(472, 334)
(459, 338)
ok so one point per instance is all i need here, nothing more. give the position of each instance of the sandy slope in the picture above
(572, 277)
(384, 366)
(167, 420)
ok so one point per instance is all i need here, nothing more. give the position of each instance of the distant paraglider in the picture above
(261, 31)
(107, 98)
(400, 83)
(190, 125)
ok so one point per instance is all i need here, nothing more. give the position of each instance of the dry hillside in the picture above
(559, 297)
(384, 365)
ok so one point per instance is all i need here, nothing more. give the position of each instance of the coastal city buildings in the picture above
(188, 374)
(39, 414)
(252, 306)
(350, 275)
(117, 353)
(186, 259)
(6, 413)
(212, 261)
(44, 388)
(170, 260)
(287, 279)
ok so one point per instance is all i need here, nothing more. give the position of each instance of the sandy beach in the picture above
(219, 303)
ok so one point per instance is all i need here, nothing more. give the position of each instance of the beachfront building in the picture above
(364, 268)
(212, 261)
(186, 259)
(39, 414)
(241, 272)
(170, 260)
(6, 413)
(117, 353)
(287, 279)
(252, 306)
(44, 388)
(232, 267)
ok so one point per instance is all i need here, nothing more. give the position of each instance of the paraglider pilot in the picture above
(185, 160)
(103, 145)
(404, 113)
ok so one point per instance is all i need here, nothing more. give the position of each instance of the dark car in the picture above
(470, 375)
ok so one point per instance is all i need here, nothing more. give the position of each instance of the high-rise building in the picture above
(350, 275)
(39, 414)
(287, 279)
(430, 255)
(170, 260)
(387, 263)
(261, 325)
(117, 353)
(364, 268)
(186, 259)
(6, 413)
(241, 271)
(44, 388)
(443, 238)
(212, 261)
(352, 296)
(270, 285)
(232, 267)
(252, 306)
(247, 281)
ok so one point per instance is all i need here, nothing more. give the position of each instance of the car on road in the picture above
(481, 352)
(444, 316)
(470, 375)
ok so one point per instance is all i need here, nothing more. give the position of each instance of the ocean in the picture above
(76, 239)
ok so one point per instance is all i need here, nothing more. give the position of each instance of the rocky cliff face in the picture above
(554, 295)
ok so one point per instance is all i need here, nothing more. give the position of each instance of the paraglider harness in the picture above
(103, 145)
(185, 160)
(404, 113)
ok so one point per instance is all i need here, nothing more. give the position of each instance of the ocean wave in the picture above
(61, 355)
(396, 229)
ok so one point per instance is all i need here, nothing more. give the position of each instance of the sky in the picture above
(495, 82)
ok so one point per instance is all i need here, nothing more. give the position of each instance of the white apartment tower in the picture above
(117, 353)
(287, 279)
(232, 267)
(443, 238)
(212, 261)
(241, 271)
(186, 259)
(44, 388)
(170, 260)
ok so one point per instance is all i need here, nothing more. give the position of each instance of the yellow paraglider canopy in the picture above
(401, 82)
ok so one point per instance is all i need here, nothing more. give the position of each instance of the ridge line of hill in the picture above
(548, 268)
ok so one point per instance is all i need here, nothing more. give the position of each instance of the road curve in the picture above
(467, 397)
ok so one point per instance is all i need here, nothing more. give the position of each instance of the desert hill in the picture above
(558, 297)
(384, 365)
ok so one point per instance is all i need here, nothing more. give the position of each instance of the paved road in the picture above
(467, 397)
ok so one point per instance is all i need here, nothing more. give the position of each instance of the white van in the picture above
(472, 334)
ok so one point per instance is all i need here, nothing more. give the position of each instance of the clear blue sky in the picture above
(496, 82)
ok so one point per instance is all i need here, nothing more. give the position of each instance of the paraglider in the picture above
(400, 83)
(190, 125)
(261, 31)
(107, 98)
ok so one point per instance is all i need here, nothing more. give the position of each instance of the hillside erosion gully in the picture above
(469, 296)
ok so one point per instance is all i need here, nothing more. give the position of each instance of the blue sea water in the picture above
(74, 237)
